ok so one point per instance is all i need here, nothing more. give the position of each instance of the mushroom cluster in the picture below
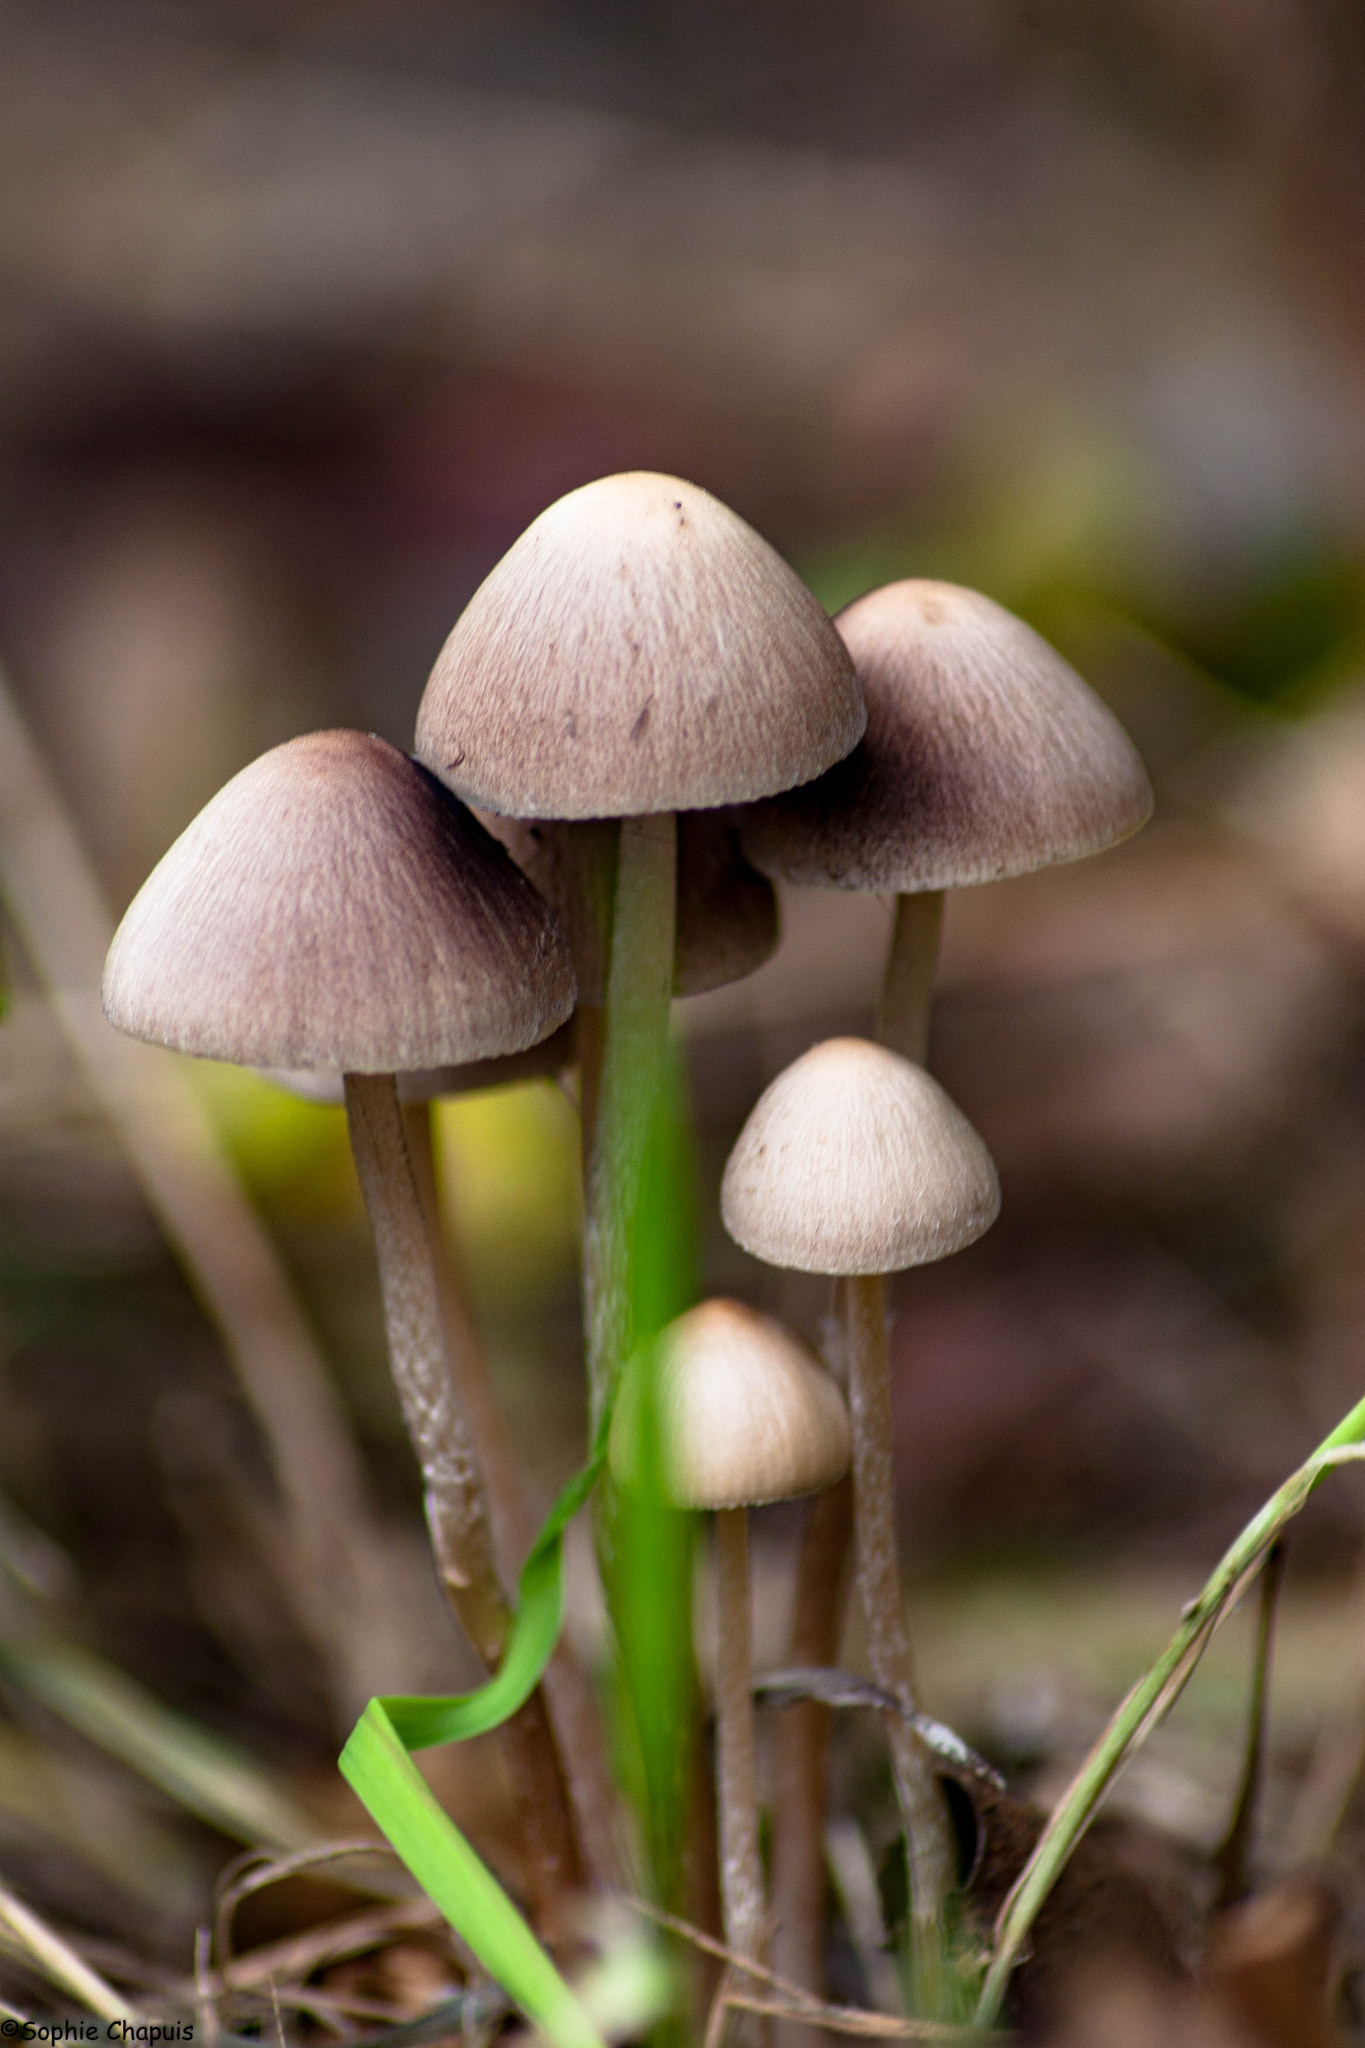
(640, 718)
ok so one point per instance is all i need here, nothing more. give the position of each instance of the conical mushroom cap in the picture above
(727, 912)
(638, 649)
(855, 1161)
(333, 906)
(985, 755)
(746, 1413)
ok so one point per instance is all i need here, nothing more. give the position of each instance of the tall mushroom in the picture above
(639, 651)
(334, 907)
(854, 1163)
(985, 755)
(744, 1413)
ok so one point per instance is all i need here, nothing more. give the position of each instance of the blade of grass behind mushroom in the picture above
(57, 1961)
(341, 1569)
(1151, 1699)
(651, 1549)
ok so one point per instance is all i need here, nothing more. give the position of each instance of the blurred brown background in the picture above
(306, 310)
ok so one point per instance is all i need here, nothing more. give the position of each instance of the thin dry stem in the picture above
(341, 1573)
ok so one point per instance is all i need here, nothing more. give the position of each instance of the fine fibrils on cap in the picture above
(855, 1161)
(985, 755)
(746, 1412)
(638, 649)
(334, 906)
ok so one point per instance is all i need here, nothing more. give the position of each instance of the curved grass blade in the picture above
(1151, 1699)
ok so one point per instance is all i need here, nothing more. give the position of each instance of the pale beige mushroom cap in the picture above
(334, 906)
(746, 1412)
(638, 649)
(855, 1161)
(727, 916)
(985, 755)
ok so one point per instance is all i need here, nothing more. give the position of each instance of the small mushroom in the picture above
(745, 1413)
(639, 651)
(334, 907)
(854, 1163)
(985, 755)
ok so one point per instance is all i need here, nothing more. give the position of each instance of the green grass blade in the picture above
(385, 1779)
(420, 1723)
(1150, 1700)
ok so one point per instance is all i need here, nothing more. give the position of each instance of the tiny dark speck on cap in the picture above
(641, 719)
(454, 760)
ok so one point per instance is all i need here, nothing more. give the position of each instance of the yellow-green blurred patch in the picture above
(292, 1155)
(508, 1163)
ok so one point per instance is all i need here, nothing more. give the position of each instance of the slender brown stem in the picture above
(928, 1833)
(799, 1878)
(741, 1867)
(457, 1514)
(508, 1512)
(908, 982)
(573, 1707)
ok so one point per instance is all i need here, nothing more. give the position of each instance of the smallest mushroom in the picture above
(745, 1413)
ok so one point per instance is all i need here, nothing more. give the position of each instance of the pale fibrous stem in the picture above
(568, 1690)
(741, 1865)
(634, 1046)
(928, 1833)
(457, 1513)
(908, 981)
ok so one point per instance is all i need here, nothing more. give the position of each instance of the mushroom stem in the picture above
(639, 989)
(457, 1514)
(799, 1884)
(908, 981)
(928, 1833)
(508, 1512)
(741, 1867)
(573, 1708)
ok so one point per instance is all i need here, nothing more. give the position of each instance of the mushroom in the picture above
(743, 1413)
(637, 652)
(985, 755)
(334, 907)
(854, 1163)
